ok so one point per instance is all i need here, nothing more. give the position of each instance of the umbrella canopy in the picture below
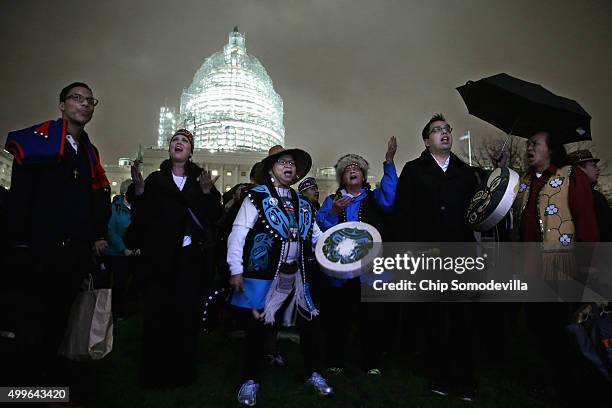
(522, 108)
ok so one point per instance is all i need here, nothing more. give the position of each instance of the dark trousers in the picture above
(498, 322)
(546, 322)
(341, 308)
(271, 341)
(46, 288)
(119, 277)
(257, 332)
(450, 344)
(170, 332)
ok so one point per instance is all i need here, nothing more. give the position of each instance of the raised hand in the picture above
(100, 246)
(137, 179)
(391, 149)
(207, 181)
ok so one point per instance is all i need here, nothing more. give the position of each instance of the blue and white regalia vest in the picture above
(274, 225)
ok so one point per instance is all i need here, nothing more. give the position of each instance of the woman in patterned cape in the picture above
(272, 231)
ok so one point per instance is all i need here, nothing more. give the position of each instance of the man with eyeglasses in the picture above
(58, 211)
(431, 201)
(434, 190)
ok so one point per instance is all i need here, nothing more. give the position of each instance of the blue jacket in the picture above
(117, 226)
(384, 196)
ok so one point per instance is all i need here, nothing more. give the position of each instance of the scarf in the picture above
(44, 144)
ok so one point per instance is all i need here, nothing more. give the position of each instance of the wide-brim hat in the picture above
(303, 163)
(581, 156)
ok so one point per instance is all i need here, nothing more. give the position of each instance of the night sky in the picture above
(351, 73)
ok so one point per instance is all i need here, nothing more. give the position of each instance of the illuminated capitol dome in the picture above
(235, 115)
(230, 106)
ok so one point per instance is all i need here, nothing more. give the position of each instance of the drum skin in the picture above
(347, 250)
(492, 201)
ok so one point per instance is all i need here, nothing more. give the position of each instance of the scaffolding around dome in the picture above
(231, 104)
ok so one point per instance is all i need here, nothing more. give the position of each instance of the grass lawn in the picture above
(401, 385)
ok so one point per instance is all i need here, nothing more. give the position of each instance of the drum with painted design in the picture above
(347, 250)
(492, 201)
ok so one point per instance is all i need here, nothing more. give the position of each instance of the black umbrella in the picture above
(522, 108)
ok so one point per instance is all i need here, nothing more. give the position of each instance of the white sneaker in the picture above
(320, 385)
(247, 396)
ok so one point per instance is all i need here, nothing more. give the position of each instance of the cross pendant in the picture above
(75, 172)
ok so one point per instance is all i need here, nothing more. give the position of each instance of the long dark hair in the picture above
(558, 154)
(191, 169)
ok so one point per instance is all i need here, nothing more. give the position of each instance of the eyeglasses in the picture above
(442, 129)
(78, 98)
(284, 163)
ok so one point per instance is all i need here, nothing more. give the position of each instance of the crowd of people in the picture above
(259, 240)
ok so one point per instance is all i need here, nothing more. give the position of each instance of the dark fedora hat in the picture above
(581, 156)
(303, 163)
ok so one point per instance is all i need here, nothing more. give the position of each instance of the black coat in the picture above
(160, 216)
(603, 212)
(430, 204)
(40, 205)
(175, 276)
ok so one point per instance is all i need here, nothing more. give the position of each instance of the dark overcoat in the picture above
(174, 275)
(430, 204)
(603, 212)
(161, 217)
